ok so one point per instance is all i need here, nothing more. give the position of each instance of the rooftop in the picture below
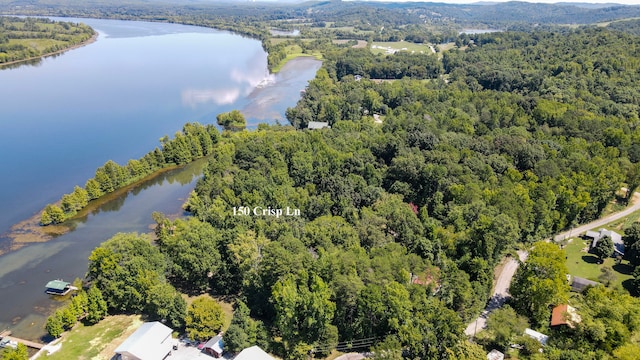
(565, 315)
(253, 353)
(151, 341)
(57, 284)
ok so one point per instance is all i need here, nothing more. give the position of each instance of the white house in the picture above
(152, 341)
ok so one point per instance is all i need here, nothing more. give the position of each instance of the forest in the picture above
(435, 167)
(26, 38)
(402, 222)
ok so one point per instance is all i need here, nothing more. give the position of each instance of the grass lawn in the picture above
(294, 51)
(378, 47)
(97, 341)
(581, 263)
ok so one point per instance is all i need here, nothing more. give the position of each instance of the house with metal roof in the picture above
(565, 315)
(253, 353)
(151, 341)
(595, 236)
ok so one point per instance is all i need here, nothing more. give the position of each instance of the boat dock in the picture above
(32, 344)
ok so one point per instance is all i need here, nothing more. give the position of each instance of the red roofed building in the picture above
(564, 315)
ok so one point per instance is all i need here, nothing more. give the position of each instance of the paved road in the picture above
(635, 205)
(500, 293)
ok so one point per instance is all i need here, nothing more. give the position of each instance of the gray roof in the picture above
(253, 353)
(578, 284)
(152, 341)
(618, 244)
(317, 125)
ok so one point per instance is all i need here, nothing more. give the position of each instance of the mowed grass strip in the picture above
(90, 342)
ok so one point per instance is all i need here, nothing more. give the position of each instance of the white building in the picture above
(253, 353)
(152, 341)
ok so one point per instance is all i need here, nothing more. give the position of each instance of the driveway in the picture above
(500, 293)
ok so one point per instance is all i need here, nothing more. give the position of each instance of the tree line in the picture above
(24, 38)
(193, 142)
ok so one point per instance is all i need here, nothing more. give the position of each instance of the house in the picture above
(214, 347)
(315, 125)
(151, 341)
(542, 338)
(565, 315)
(578, 284)
(595, 236)
(59, 287)
(495, 355)
(253, 353)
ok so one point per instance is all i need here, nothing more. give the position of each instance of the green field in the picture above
(385, 47)
(295, 51)
(581, 263)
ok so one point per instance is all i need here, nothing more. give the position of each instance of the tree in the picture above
(191, 245)
(96, 305)
(54, 325)
(19, 353)
(631, 239)
(540, 281)
(304, 313)
(504, 324)
(607, 276)
(52, 214)
(204, 318)
(233, 120)
(604, 248)
(125, 268)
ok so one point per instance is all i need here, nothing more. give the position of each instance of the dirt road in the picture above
(501, 290)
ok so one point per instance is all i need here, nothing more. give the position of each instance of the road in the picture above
(501, 290)
(500, 293)
(635, 206)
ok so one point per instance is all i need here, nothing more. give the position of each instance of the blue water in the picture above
(113, 99)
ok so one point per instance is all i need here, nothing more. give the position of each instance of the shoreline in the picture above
(30, 231)
(91, 40)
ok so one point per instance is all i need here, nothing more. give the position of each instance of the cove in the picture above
(64, 116)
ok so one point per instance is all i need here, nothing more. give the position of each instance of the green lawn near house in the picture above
(97, 341)
(583, 264)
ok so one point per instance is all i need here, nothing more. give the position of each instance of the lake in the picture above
(64, 116)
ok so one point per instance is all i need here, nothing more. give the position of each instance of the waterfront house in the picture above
(151, 341)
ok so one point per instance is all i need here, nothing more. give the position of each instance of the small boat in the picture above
(59, 287)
